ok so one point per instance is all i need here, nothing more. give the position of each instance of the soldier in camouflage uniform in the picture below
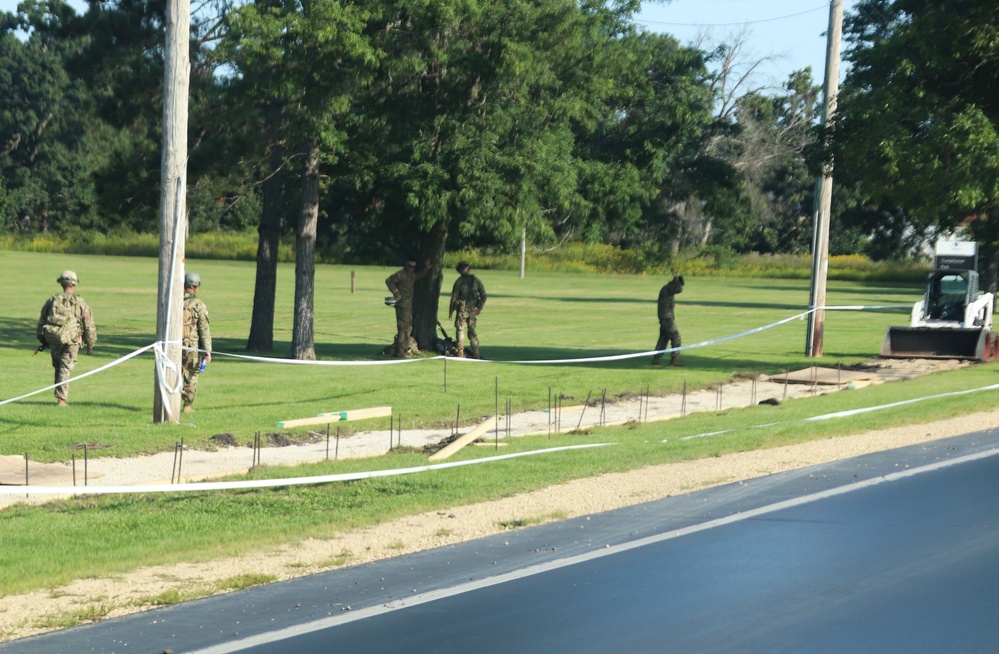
(401, 284)
(468, 297)
(668, 333)
(65, 324)
(197, 339)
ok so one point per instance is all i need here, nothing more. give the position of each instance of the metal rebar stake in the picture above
(549, 413)
(583, 412)
(180, 461)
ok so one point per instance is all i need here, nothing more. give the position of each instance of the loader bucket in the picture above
(940, 343)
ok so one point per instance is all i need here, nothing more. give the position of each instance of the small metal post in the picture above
(558, 413)
(648, 394)
(327, 441)
(583, 412)
(173, 470)
(391, 431)
(180, 462)
(603, 407)
(549, 413)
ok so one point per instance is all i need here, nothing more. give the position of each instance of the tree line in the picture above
(399, 128)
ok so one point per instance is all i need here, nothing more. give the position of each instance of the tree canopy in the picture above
(917, 121)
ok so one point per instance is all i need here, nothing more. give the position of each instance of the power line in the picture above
(745, 22)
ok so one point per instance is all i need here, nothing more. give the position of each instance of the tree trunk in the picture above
(302, 343)
(985, 231)
(262, 321)
(426, 296)
(990, 257)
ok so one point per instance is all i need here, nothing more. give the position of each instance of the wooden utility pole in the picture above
(820, 238)
(173, 213)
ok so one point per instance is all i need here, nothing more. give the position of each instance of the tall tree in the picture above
(49, 135)
(483, 105)
(301, 62)
(767, 148)
(918, 119)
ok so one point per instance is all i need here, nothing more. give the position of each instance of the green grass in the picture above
(545, 316)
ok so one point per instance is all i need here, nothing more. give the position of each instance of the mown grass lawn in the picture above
(545, 316)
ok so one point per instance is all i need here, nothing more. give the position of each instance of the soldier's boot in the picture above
(656, 358)
(188, 408)
(675, 361)
(61, 402)
(474, 353)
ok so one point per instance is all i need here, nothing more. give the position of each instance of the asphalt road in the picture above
(891, 552)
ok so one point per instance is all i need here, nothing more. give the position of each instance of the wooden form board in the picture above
(339, 416)
(462, 440)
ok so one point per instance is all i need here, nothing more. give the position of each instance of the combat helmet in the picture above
(68, 278)
(192, 279)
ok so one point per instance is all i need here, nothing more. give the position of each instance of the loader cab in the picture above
(949, 292)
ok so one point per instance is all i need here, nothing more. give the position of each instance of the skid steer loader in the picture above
(954, 319)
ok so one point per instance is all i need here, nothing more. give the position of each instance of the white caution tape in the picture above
(106, 366)
(271, 483)
(615, 357)
(848, 413)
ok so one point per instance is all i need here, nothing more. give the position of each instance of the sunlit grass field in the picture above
(545, 316)
(541, 317)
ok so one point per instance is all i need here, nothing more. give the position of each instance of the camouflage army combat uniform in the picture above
(468, 297)
(401, 285)
(197, 337)
(669, 335)
(65, 324)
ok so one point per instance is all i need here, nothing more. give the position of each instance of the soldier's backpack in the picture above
(62, 327)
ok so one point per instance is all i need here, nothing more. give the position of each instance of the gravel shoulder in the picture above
(129, 593)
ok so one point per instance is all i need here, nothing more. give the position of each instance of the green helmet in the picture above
(68, 278)
(192, 279)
